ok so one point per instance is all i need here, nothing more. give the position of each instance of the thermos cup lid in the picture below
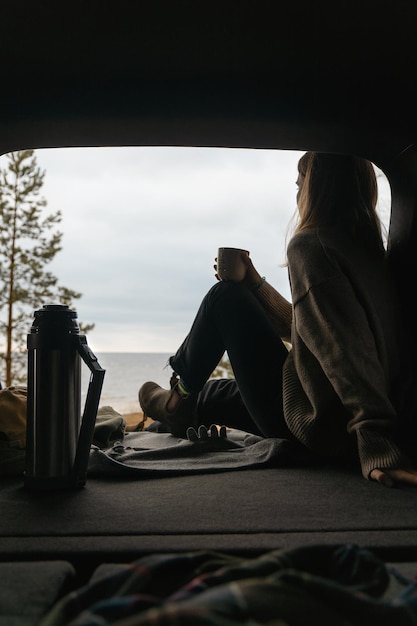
(56, 308)
(55, 316)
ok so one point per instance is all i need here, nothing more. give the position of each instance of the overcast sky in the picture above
(141, 227)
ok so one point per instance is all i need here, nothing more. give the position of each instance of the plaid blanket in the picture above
(327, 585)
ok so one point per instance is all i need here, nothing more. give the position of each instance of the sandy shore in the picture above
(133, 419)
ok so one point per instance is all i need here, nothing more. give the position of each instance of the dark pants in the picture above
(230, 318)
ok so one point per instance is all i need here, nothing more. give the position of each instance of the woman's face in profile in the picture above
(299, 183)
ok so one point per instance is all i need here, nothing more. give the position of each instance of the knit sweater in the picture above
(342, 379)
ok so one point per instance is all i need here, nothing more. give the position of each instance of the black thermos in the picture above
(58, 441)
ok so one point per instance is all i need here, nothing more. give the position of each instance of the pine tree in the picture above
(29, 241)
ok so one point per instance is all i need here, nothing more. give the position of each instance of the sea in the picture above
(125, 373)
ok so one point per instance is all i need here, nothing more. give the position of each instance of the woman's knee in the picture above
(227, 291)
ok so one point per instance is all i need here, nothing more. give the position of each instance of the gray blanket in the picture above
(121, 452)
(164, 453)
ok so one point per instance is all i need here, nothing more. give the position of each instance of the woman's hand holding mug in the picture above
(236, 265)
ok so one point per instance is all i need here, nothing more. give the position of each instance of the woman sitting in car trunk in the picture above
(341, 390)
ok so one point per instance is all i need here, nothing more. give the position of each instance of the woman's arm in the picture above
(277, 307)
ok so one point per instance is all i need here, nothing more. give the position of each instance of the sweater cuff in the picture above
(378, 451)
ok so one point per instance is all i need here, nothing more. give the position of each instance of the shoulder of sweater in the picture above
(321, 237)
(304, 242)
(330, 246)
(309, 250)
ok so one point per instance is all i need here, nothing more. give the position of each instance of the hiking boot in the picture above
(154, 400)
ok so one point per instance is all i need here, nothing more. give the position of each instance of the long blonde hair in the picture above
(339, 191)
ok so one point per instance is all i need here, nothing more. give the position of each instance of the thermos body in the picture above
(58, 440)
(54, 392)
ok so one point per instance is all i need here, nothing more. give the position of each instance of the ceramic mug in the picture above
(230, 265)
